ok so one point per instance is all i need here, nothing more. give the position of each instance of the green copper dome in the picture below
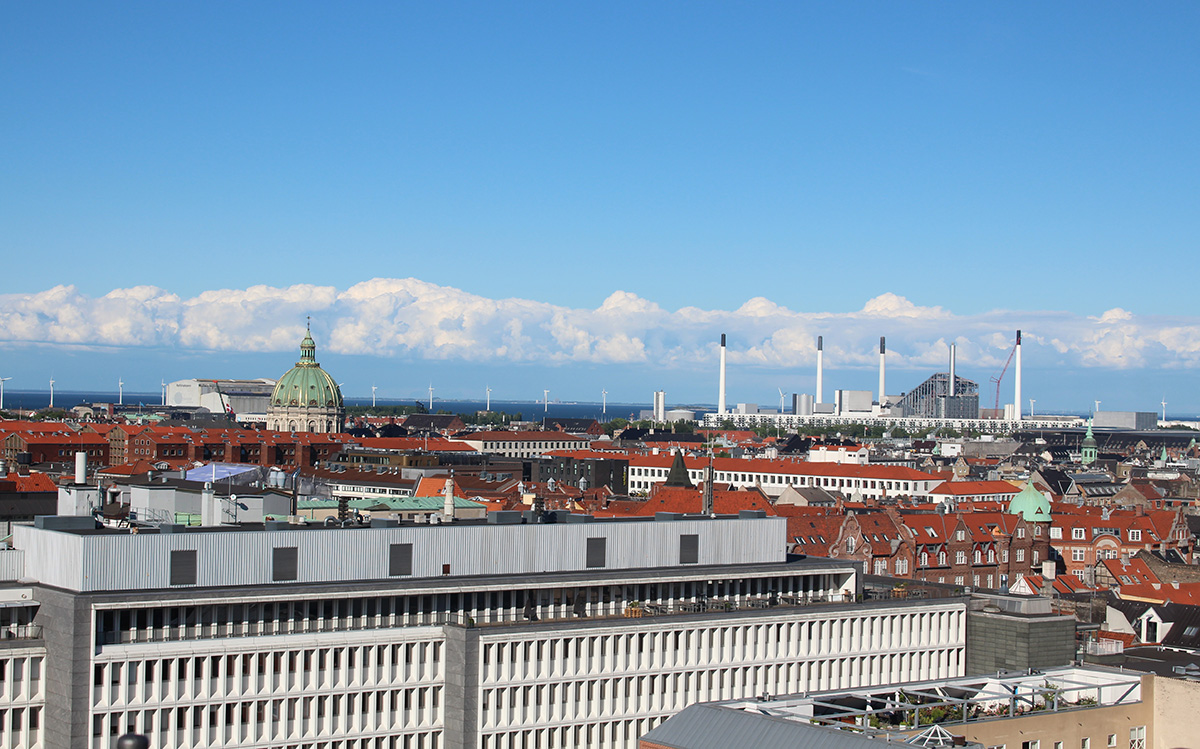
(306, 384)
(1031, 505)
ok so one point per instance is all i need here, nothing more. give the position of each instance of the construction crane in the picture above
(999, 379)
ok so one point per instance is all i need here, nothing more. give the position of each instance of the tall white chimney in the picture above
(721, 383)
(448, 505)
(1017, 403)
(80, 468)
(882, 358)
(820, 368)
(953, 383)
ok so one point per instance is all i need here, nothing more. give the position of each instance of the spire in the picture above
(308, 347)
(678, 475)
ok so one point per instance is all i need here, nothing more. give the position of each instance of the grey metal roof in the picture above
(715, 727)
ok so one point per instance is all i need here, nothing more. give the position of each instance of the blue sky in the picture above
(582, 195)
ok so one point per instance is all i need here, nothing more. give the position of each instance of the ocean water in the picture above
(530, 410)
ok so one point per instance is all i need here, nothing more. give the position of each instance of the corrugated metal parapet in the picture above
(578, 518)
(668, 516)
(64, 522)
(751, 514)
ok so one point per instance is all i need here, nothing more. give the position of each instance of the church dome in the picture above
(1031, 505)
(306, 384)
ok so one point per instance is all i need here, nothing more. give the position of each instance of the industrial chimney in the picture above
(820, 367)
(721, 381)
(1017, 404)
(953, 383)
(882, 358)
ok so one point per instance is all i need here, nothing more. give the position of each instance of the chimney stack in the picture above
(882, 358)
(953, 384)
(80, 468)
(1017, 405)
(721, 381)
(820, 367)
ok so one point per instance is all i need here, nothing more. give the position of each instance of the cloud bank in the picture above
(414, 319)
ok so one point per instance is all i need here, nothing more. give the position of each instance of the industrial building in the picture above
(503, 633)
(942, 400)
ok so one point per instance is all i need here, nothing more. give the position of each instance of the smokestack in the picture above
(820, 367)
(953, 384)
(721, 382)
(882, 358)
(80, 468)
(1017, 405)
(448, 504)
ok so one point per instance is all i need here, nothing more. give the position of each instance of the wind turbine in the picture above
(1097, 406)
(780, 401)
(1031, 402)
(546, 400)
(51, 392)
(2, 381)
(488, 405)
(1164, 405)
(604, 403)
(373, 389)
(163, 384)
(431, 397)
(120, 392)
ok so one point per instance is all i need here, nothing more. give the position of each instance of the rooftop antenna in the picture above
(51, 391)
(120, 392)
(2, 381)
(373, 389)
(546, 400)
(488, 404)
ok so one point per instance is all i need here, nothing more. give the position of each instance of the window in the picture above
(689, 549)
(400, 559)
(1112, 739)
(1021, 532)
(942, 558)
(960, 557)
(284, 563)
(1035, 744)
(1135, 535)
(978, 557)
(595, 552)
(960, 535)
(1078, 555)
(924, 558)
(1085, 743)
(183, 567)
(1078, 534)
(881, 567)
(1056, 532)
(1137, 737)
(1020, 555)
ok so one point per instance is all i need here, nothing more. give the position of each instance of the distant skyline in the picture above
(576, 197)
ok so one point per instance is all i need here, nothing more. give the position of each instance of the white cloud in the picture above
(411, 318)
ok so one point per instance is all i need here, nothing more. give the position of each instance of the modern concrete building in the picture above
(471, 634)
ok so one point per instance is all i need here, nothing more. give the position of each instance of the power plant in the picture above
(942, 397)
